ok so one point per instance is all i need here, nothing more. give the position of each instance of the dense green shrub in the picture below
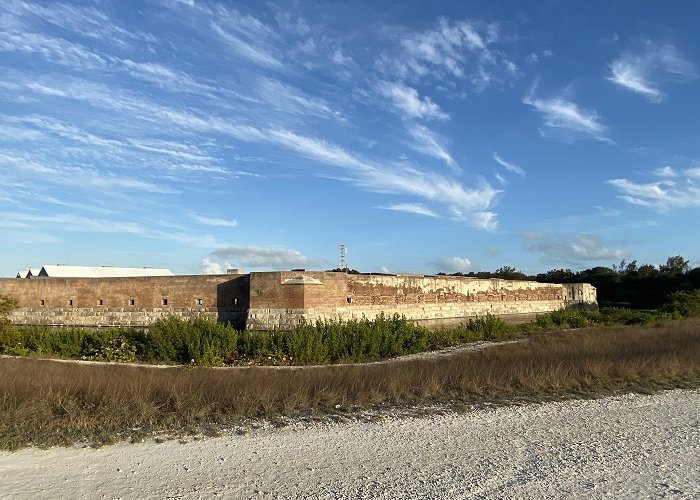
(363, 339)
(194, 340)
(112, 348)
(490, 327)
(621, 316)
(8, 336)
(686, 304)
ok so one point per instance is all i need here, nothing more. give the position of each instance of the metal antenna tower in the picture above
(343, 265)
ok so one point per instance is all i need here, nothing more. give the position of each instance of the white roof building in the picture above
(65, 271)
(29, 273)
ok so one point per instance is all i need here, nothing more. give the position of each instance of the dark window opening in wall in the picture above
(100, 302)
(132, 302)
(349, 300)
(42, 302)
(165, 302)
(200, 302)
(70, 302)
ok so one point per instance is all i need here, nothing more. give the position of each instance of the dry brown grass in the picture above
(49, 402)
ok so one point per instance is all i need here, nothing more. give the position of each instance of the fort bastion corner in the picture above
(282, 299)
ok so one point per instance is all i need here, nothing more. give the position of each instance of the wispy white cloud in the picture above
(83, 20)
(677, 189)
(57, 224)
(509, 166)
(291, 100)
(573, 249)
(81, 177)
(339, 57)
(265, 257)
(292, 24)
(54, 50)
(164, 76)
(411, 208)
(632, 77)
(563, 115)
(693, 173)
(409, 103)
(468, 204)
(318, 149)
(643, 71)
(73, 223)
(607, 212)
(133, 111)
(250, 51)
(428, 142)
(462, 50)
(133, 115)
(212, 221)
(665, 172)
(86, 207)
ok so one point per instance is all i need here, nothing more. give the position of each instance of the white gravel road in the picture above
(632, 446)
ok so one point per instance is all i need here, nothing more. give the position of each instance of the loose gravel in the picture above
(630, 446)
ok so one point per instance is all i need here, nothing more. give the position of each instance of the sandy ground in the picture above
(632, 446)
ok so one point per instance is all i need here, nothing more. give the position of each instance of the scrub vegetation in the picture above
(204, 342)
(49, 402)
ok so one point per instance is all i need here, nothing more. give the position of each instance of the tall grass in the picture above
(46, 402)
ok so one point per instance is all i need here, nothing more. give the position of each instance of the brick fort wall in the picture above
(280, 300)
(127, 301)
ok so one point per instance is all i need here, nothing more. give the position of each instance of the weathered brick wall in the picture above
(280, 299)
(266, 291)
(333, 292)
(337, 296)
(388, 290)
(127, 301)
(432, 298)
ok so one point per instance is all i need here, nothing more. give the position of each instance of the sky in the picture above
(426, 137)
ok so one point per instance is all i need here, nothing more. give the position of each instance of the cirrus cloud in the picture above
(643, 71)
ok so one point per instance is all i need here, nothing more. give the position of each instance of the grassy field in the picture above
(45, 402)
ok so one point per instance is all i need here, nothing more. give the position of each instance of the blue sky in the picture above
(425, 136)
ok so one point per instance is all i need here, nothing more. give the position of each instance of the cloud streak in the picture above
(429, 143)
(468, 204)
(643, 71)
(211, 221)
(407, 101)
(510, 167)
(675, 190)
(410, 208)
(563, 115)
